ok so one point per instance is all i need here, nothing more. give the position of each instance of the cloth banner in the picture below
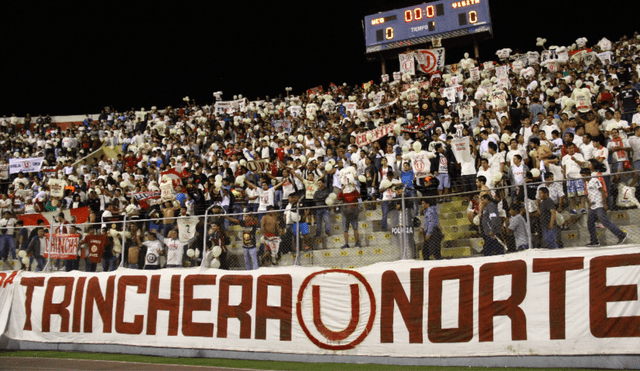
(407, 63)
(452, 93)
(81, 215)
(553, 302)
(382, 106)
(186, 229)
(284, 124)
(6, 296)
(488, 66)
(316, 91)
(176, 177)
(377, 133)
(461, 149)
(430, 60)
(258, 165)
(146, 199)
(533, 57)
(25, 165)
(96, 246)
(56, 186)
(62, 246)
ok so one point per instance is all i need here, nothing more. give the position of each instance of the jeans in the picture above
(71, 265)
(601, 215)
(322, 217)
(109, 264)
(550, 237)
(7, 243)
(277, 198)
(250, 258)
(492, 246)
(39, 261)
(412, 193)
(89, 266)
(385, 214)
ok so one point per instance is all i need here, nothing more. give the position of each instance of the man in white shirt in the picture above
(618, 148)
(154, 250)
(598, 205)
(572, 163)
(587, 147)
(7, 239)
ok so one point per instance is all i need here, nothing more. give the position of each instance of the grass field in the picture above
(259, 365)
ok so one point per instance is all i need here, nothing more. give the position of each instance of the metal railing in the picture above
(388, 235)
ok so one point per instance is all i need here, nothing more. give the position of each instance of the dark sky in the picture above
(60, 59)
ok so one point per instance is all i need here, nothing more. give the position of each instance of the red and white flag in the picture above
(430, 60)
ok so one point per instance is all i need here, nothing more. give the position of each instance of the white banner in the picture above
(430, 60)
(407, 63)
(6, 297)
(25, 165)
(377, 133)
(502, 71)
(540, 302)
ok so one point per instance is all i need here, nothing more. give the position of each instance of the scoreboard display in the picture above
(422, 23)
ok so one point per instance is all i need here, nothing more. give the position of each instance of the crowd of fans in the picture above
(536, 131)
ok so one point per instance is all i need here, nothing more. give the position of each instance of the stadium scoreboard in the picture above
(425, 22)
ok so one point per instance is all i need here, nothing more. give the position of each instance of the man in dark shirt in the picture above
(322, 214)
(627, 98)
(547, 218)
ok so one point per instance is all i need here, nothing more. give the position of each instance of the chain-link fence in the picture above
(582, 211)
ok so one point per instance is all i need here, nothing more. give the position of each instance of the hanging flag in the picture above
(430, 60)
(407, 63)
(81, 215)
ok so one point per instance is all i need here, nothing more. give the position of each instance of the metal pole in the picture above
(476, 49)
(48, 267)
(204, 238)
(526, 208)
(383, 64)
(404, 229)
(124, 240)
(297, 262)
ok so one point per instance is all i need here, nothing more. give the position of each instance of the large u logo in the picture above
(355, 315)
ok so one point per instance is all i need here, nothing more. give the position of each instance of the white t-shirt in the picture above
(572, 168)
(175, 250)
(618, 155)
(634, 143)
(587, 150)
(593, 190)
(266, 198)
(603, 153)
(153, 252)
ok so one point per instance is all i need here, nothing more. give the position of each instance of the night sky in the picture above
(63, 60)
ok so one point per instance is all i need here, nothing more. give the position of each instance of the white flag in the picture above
(407, 63)
(430, 60)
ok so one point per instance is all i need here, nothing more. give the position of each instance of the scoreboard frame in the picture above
(422, 23)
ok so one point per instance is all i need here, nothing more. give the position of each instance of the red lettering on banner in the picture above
(9, 280)
(284, 312)
(410, 309)
(49, 308)
(240, 311)
(557, 268)
(30, 283)
(488, 308)
(172, 305)
(600, 294)
(353, 322)
(77, 304)
(134, 327)
(464, 332)
(190, 328)
(103, 303)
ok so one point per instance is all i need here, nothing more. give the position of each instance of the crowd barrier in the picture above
(322, 239)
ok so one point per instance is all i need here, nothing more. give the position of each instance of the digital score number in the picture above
(443, 19)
